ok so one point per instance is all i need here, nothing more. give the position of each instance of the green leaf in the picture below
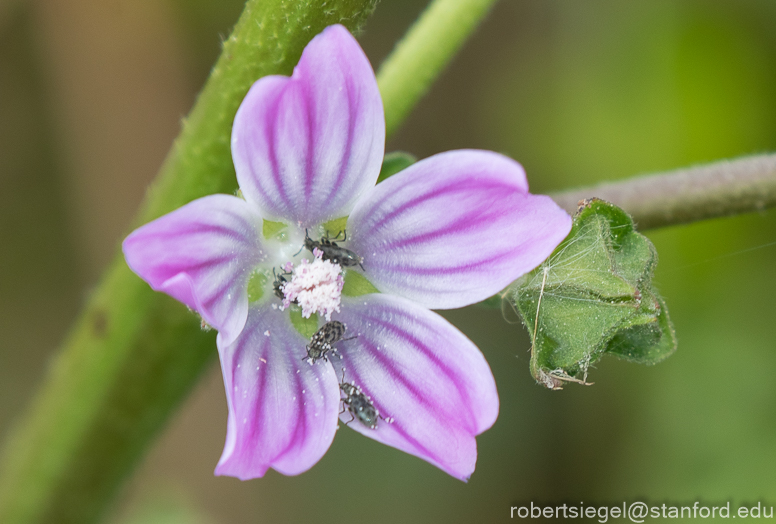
(357, 284)
(336, 225)
(306, 326)
(395, 162)
(648, 343)
(593, 296)
(256, 284)
(272, 229)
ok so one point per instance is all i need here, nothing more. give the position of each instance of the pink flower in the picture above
(449, 231)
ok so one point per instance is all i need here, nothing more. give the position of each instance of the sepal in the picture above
(592, 296)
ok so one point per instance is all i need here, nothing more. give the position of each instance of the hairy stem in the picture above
(728, 187)
(134, 354)
(424, 52)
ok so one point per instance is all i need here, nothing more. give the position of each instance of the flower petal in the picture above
(307, 146)
(422, 373)
(282, 411)
(454, 229)
(202, 254)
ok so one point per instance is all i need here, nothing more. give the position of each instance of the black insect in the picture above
(280, 281)
(358, 404)
(331, 251)
(323, 339)
(277, 286)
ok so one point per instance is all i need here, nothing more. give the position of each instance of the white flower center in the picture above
(316, 286)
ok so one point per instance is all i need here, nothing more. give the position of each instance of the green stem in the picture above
(134, 354)
(728, 187)
(424, 52)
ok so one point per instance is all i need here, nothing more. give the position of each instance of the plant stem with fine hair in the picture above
(727, 187)
(424, 52)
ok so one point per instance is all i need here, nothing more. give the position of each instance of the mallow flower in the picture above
(448, 231)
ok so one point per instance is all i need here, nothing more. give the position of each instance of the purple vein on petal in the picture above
(460, 269)
(301, 422)
(461, 225)
(454, 229)
(310, 130)
(395, 423)
(455, 188)
(390, 366)
(346, 159)
(261, 381)
(272, 148)
(306, 146)
(403, 313)
(202, 254)
(209, 263)
(425, 375)
(282, 414)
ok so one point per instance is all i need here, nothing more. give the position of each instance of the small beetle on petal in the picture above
(358, 405)
(332, 251)
(323, 341)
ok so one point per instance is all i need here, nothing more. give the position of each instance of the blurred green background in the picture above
(91, 96)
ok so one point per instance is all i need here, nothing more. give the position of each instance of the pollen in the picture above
(316, 286)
